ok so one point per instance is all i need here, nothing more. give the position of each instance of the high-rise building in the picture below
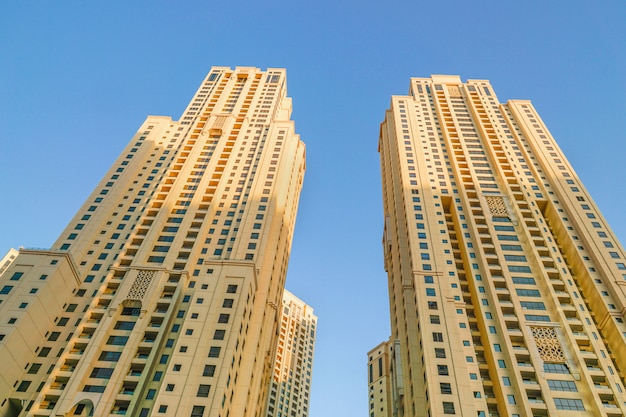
(290, 389)
(160, 297)
(7, 259)
(380, 382)
(506, 284)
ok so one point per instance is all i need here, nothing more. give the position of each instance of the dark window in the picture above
(16, 276)
(209, 370)
(203, 390)
(448, 407)
(117, 340)
(23, 386)
(558, 385)
(104, 373)
(197, 410)
(214, 352)
(6, 289)
(34, 368)
(109, 356)
(124, 325)
(44, 352)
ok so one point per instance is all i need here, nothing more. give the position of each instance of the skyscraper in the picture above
(161, 296)
(379, 374)
(290, 389)
(7, 260)
(506, 284)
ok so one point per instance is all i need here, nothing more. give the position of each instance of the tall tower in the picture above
(506, 284)
(160, 297)
(379, 379)
(290, 390)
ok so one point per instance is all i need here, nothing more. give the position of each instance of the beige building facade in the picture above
(162, 296)
(506, 284)
(290, 391)
(380, 381)
(7, 259)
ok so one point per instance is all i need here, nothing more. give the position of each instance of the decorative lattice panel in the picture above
(496, 206)
(454, 91)
(140, 286)
(548, 344)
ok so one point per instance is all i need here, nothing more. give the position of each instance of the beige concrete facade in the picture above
(380, 382)
(290, 390)
(7, 259)
(161, 295)
(506, 284)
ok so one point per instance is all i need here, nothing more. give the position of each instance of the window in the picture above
(16, 276)
(448, 407)
(569, 404)
(214, 352)
(535, 317)
(442, 369)
(203, 390)
(434, 319)
(197, 410)
(445, 388)
(103, 373)
(209, 370)
(555, 368)
(109, 356)
(558, 385)
(527, 293)
(124, 325)
(6, 289)
(169, 387)
(437, 337)
(432, 305)
(440, 353)
(117, 340)
(219, 334)
(34, 368)
(430, 292)
(223, 318)
(228, 303)
(531, 305)
(23, 386)
(523, 281)
(44, 352)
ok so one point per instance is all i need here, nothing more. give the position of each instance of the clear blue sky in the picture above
(77, 78)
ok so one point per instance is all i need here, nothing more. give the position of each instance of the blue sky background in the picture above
(77, 78)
